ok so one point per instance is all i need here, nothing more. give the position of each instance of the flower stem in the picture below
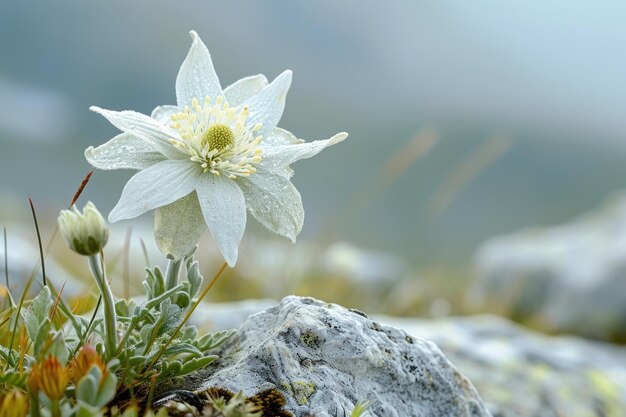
(56, 411)
(96, 264)
(172, 272)
(34, 404)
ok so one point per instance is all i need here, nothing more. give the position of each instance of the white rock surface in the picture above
(520, 373)
(537, 275)
(325, 358)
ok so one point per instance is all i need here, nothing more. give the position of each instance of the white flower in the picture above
(204, 161)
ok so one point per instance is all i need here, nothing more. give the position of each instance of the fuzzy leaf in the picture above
(36, 316)
(213, 340)
(87, 389)
(196, 363)
(194, 277)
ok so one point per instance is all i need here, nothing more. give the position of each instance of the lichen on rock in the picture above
(325, 358)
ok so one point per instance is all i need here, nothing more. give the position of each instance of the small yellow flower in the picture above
(14, 404)
(85, 232)
(50, 377)
(84, 361)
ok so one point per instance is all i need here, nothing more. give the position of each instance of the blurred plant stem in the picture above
(96, 264)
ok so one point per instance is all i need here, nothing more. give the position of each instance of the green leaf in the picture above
(213, 340)
(41, 335)
(36, 319)
(13, 378)
(178, 348)
(178, 226)
(154, 283)
(194, 277)
(87, 390)
(107, 390)
(196, 363)
(86, 410)
(183, 300)
(59, 348)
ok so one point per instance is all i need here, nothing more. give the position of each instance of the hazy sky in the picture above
(547, 75)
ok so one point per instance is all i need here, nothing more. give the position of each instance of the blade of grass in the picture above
(145, 252)
(478, 161)
(126, 264)
(6, 268)
(6, 262)
(43, 264)
(53, 312)
(17, 314)
(153, 380)
(23, 347)
(394, 167)
(56, 229)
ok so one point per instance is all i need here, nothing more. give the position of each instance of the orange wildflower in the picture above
(82, 363)
(14, 404)
(51, 378)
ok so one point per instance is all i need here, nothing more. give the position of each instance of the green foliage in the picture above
(37, 319)
(96, 389)
(360, 408)
(152, 344)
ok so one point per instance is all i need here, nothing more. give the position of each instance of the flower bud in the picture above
(85, 232)
(14, 404)
(84, 361)
(51, 378)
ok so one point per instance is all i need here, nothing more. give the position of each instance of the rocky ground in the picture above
(517, 372)
(536, 276)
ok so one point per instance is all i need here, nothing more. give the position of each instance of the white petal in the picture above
(224, 210)
(179, 226)
(281, 137)
(156, 186)
(196, 77)
(267, 106)
(163, 113)
(146, 128)
(125, 151)
(242, 90)
(274, 202)
(277, 157)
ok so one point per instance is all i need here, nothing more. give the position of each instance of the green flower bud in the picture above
(85, 232)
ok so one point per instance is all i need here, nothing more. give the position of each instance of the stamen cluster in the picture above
(216, 136)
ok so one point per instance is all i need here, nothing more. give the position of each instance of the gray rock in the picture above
(325, 358)
(535, 276)
(520, 373)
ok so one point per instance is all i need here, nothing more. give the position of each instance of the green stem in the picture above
(172, 272)
(34, 404)
(96, 264)
(135, 320)
(56, 411)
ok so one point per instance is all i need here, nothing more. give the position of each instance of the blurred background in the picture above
(480, 133)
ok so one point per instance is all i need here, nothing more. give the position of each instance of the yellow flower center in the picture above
(218, 138)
